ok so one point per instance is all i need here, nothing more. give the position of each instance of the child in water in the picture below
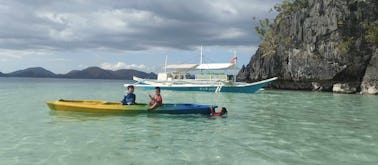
(221, 113)
(156, 100)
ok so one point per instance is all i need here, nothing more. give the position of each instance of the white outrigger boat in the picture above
(180, 80)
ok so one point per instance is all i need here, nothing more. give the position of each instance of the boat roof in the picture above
(209, 66)
(217, 66)
(182, 67)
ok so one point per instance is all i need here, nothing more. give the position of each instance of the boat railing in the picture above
(211, 77)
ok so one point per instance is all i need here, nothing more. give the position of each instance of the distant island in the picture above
(88, 73)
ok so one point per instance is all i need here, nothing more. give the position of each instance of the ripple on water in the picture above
(269, 127)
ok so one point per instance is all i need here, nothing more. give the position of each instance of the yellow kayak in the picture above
(99, 106)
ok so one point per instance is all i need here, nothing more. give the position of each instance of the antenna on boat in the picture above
(165, 65)
(201, 56)
(201, 59)
(235, 66)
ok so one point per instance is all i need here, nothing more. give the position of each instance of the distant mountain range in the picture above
(88, 73)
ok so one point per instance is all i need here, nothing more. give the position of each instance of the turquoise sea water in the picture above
(269, 127)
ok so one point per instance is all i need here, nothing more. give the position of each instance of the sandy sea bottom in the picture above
(269, 127)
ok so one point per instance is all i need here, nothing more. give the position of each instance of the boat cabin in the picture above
(173, 76)
(208, 72)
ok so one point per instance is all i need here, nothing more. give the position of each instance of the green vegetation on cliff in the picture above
(266, 33)
(265, 29)
(285, 7)
(372, 33)
(288, 6)
(345, 46)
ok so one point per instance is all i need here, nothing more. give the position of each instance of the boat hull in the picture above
(244, 88)
(98, 106)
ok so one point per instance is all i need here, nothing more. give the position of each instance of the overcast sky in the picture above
(74, 34)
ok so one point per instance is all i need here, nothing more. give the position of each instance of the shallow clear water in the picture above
(269, 127)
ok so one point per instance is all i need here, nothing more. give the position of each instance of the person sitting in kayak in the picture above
(156, 100)
(130, 98)
(221, 113)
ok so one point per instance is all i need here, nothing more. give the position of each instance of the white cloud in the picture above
(107, 25)
(77, 30)
(10, 53)
(53, 17)
(122, 65)
(232, 33)
(64, 26)
(129, 25)
(224, 8)
(125, 20)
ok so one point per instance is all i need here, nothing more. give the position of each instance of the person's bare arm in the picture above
(152, 98)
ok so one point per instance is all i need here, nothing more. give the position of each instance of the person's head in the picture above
(223, 110)
(130, 88)
(157, 90)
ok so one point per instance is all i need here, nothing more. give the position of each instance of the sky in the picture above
(114, 34)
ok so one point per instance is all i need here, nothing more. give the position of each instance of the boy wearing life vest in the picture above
(130, 98)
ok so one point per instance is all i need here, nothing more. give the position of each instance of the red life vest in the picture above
(159, 99)
(216, 114)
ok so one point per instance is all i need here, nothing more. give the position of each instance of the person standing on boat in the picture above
(156, 100)
(130, 98)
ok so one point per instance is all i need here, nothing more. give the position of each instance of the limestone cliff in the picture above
(327, 45)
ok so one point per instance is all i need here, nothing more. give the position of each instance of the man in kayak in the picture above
(130, 98)
(221, 113)
(156, 100)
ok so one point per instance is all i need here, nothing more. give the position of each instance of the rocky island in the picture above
(88, 73)
(321, 45)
